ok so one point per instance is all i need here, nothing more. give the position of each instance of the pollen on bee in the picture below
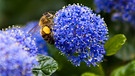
(46, 30)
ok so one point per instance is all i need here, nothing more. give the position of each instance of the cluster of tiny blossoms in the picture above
(32, 28)
(17, 53)
(23, 38)
(80, 34)
(123, 10)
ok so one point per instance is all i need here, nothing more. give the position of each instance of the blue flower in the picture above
(80, 34)
(16, 55)
(32, 28)
(23, 38)
(123, 10)
(104, 5)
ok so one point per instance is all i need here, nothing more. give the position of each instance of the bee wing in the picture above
(34, 29)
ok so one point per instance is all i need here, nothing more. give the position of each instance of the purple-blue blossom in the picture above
(123, 10)
(32, 28)
(23, 38)
(80, 34)
(17, 58)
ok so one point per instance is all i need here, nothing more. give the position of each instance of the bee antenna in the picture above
(52, 12)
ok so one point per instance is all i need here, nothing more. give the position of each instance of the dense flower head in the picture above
(123, 10)
(80, 34)
(15, 60)
(23, 38)
(32, 28)
(104, 5)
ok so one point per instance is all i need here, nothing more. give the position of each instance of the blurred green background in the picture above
(19, 12)
(22, 11)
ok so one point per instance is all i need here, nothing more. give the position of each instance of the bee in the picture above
(46, 23)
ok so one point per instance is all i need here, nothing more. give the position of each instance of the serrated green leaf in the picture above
(89, 74)
(127, 70)
(114, 44)
(47, 66)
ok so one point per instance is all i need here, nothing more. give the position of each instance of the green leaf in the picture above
(127, 70)
(127, 52)
(47, 66)
(118, 72)
(130, 69)
(89, 74)
(114, 44)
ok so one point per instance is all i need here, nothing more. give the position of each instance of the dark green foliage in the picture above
(89, 74)
(47, 66)
(127, 70)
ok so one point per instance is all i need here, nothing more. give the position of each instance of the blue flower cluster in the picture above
(80, 34)
(23, 38)
(32, 28)
(17, 53)
(123, 10)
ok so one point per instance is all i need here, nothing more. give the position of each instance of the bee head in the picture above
(43, 20)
